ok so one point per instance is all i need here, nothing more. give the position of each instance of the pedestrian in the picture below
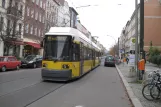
(124, 61)
(127, 60)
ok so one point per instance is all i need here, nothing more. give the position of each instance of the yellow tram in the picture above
(68, 54)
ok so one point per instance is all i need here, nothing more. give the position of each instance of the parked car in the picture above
(33, 61)
(9, 62)
(109, 61)
(117, 60)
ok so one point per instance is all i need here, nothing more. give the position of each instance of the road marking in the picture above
(79, 106)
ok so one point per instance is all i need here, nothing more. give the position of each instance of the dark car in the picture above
(33, 61)
(109, 61)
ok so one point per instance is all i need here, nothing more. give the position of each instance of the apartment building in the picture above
(11, 27)
(34, 26)
(152, 23)
(52, 9)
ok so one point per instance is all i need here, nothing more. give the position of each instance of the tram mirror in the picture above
(73, 38)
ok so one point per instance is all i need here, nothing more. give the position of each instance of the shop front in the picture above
(31, 48)
(13, 48)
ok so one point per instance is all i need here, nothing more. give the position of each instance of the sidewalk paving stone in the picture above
(136, 87)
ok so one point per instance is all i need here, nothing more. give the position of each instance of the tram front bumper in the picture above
(56, 75)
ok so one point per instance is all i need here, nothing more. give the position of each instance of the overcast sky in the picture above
(108, 18)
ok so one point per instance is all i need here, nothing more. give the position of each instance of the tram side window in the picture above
(76, 52)
(90, 54)
(85, 53)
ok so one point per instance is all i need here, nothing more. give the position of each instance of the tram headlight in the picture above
(65, 66)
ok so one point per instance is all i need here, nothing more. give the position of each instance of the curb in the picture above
(135, 101)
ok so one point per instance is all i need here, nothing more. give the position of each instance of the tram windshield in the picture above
(57, 47)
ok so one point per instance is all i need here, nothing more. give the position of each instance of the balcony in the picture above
(14, 12)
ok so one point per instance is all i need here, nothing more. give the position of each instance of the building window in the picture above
(44, 6)
(32, 13)
(35, 30)
(3, 3)
(39, 32)
(8, 24)
(43, 19)
(1, 23)
(28, 11)
(40, 17)
(41, 4)
(36, 16)
(42, 34)
(10, 3)
(27, 28)
(16, 4)
(21, 8)
(37, 2)
(48, 3)
(47, 15)
(20, 27)
(31, 29)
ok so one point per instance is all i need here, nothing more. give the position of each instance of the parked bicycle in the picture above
(152, 90)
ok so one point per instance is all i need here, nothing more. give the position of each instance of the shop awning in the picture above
(35, 45)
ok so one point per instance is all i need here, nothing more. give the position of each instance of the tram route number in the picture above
(58, 38)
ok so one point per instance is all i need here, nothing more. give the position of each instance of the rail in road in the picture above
(26, 89)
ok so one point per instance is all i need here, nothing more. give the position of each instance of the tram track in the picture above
(28, 95)
(5, 78)
(9, 91)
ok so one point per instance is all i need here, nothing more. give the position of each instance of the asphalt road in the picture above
(101, 87)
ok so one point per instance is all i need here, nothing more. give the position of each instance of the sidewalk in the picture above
(137, 87)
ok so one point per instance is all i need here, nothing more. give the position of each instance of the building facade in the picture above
(73, 17)
(152, 23)
(128, 33)
(64, 15)
(51, 19)
(11, 27)
(34, 23)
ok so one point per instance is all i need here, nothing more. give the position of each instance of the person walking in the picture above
(127, 59)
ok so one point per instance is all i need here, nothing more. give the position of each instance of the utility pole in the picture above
(118, 46)
(142, 29)
(136, 37)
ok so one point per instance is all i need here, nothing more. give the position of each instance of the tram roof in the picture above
(70, 31)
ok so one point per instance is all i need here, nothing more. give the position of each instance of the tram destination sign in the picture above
(57, 38)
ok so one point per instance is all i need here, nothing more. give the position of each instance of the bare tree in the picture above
(12, 23)
(65, 20)
(51, 19)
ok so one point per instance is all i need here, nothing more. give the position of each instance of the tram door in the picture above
(93, 58)
(81, 58)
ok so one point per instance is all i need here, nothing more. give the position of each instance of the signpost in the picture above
(132, 43)
(131, 60)
(131, 57)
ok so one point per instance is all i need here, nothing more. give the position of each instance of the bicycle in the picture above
(151, 86)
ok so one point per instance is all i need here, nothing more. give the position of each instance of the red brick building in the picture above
(34, 24)
(152, 23)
